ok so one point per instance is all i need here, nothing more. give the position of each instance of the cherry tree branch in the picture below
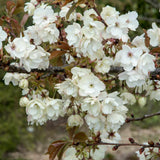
(153, 75)
(101, 19)
(125, 144)
(117, 145)
(50, 69)
(143, 117)
(56, 69)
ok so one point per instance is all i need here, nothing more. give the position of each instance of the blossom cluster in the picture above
(148, 153)
(87, 93)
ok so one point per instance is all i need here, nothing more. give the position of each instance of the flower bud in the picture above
(82, 5)
(142, 101)
(23, 84)
(75, 120)
(23, 101)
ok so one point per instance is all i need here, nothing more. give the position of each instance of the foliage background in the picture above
(13, 124)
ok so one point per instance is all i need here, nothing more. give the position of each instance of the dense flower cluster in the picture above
(87, 93)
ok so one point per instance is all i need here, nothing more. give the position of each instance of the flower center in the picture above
(130, 54)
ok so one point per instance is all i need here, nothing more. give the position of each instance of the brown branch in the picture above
(12, 68)
(153, 75)
(157, 145)
(101, 19)
(142, 118)
(55, 69)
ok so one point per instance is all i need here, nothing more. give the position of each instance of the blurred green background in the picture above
(15, 133)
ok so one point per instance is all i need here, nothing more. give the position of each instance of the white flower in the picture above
(23, 101)
(103, 66)
(95, 123)
(64, 11)
(116, 118)
(128, 57)
(75, 120)
(90, 85)
(67, 88)
(154, 35)
(14, 78)
(70, 154)
(53, 108)
(73, 34)
(44, 15)
(19, 47)
(139, 41)
(155, 95)
(89, 16)
(3, 36)
(92, 106)
(146, 64)
(30, 8)
(128, 98)
(48, 33)
(38, 58)
(130, 20)
(79, 73)
(32, 34)
(35, 108)
(132, 78)
(99, 153)
(116, 29)
(108, 12)
(23, 84)
(142, 101)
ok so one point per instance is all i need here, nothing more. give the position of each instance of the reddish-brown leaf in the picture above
(55, 54)
(80, 137)
(10, 5)
(141, 150)
(20, 3)
(24, 20)
(156, 50)
(66, 2)
(55, 148)
(147, 39)
(63, 45)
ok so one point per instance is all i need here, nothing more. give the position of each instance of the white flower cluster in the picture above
(40, 107)
(98, 154)
(136, 62)
(103, 112)
(33, 56)
(86, 92)
(148, 153)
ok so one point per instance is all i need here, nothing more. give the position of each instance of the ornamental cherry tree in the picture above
(83, 66)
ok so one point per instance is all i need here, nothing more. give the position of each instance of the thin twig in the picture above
(157, 145)
(142, 118)
(101, 19)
